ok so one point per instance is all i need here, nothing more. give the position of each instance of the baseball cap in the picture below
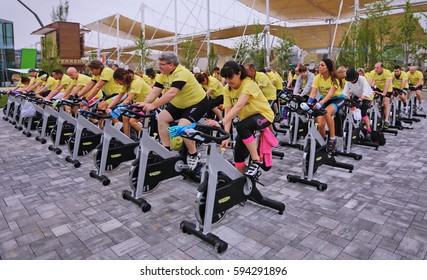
(351, 74)
(32, 70)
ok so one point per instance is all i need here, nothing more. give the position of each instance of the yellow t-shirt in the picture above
(20, 84)
(397, 81)
(110, 87)
(148, 80)
(140, 88)
(414, 78)
(66, 81)
(279, 81)
(83, 80)
(269, 90)
(380, 80)
(192, 92)
(323, 86)
(215, 86)
(257, 103)
(51, 82)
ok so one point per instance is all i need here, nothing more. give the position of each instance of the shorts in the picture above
(193, 113)
(337, 102)
(411, 87)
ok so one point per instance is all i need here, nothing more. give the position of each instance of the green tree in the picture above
(251, 48)
(408, 35)
(241, 49)
(60, 13)
(212, 59)
(379, 26)
(142, 49)
(257, 51)
(189, 52)
(49, 55)
(93, 55)
(367, 41)
(283, 51)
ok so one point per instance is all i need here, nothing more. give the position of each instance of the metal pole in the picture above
(98, 52)
(267, 33)
(175, 46)
(329, 20)
(118, 37)
(142, 9)
(208, 35)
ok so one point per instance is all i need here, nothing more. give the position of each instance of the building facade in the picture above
(7, 52)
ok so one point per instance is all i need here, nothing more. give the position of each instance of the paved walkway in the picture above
(50, 210)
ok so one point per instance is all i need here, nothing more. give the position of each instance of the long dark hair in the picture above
(332, 69)
(231, 68)
(123, 75)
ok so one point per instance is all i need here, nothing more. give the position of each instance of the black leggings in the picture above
(245, 134)
(212, 104)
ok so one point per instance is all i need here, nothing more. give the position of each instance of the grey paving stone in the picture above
(291, 253)
(359, 250)
(314, 243)
(382, 254)
(412, 247)
(44, 245)
(23, 252)
(73, 250)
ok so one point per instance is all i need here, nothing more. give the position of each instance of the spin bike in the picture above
(85, 138)
(298, 123)
(315, 154)
(115, 147)
(221, 188)
(155, 164)
(396, 120)
(64, 128)
(48, 122)
(353, 131)
(412, 103)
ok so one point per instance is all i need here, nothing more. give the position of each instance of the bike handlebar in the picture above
(198, 135)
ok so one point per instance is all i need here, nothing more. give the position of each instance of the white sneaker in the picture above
(192, 161)
(118, 125)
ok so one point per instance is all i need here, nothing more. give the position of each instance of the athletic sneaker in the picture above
(386, 124)
(331, 146)
(192, 161)
(368, 136)
(253, 168)
(420, 108)
(118, 125)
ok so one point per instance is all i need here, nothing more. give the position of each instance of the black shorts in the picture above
(411, 87)
(45, 93)
(193, 113)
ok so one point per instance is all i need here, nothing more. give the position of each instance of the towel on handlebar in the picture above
(177, 130)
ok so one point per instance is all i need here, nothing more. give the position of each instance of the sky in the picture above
(191, 15)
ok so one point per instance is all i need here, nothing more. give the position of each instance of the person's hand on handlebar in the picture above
(225, 143)
(212, 123)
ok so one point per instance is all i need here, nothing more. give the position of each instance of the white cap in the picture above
(196, 70)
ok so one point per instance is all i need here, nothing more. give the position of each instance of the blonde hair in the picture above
(16, 77)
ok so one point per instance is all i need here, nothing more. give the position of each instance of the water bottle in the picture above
(306, 108)
(357, 114)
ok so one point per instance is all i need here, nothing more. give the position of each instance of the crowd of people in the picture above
(235, 95)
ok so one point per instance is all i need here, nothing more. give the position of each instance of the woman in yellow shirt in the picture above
(135, 89)
(214, 90)
(330, 87)
(244, 99)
